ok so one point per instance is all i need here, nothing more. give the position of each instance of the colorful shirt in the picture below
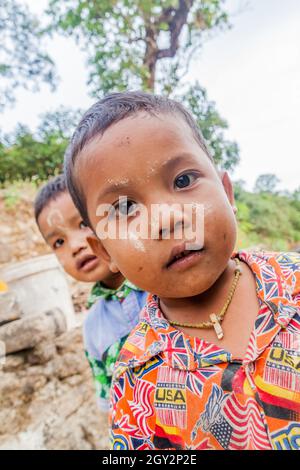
(113, 314)
(174, 391)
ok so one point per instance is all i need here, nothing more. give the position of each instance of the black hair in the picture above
(110, 110)
(50, 191)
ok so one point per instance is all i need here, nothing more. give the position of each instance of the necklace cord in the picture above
(221, 315)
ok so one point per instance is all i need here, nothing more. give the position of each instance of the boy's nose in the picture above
(169, 221)
(77, 246)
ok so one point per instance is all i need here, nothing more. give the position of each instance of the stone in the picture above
(9, 308)
(52, 405)
(31, 330)
(42, 353)
(13, 362)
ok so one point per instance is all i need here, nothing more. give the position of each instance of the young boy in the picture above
(119, 302)
(214, 362)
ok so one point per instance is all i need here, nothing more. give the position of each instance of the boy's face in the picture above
(156, 160)
(63, 229)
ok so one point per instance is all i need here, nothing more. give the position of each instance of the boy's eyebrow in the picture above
(177, 159)
(54, 233)
(115, 187)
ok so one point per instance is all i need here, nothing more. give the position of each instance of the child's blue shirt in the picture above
(108, 323)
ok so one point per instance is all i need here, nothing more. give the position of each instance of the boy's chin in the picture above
(94, 275)
(180, 292)
(175, 294)
(86, 277)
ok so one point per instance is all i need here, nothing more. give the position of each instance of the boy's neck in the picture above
(114, 281)
(198, 307)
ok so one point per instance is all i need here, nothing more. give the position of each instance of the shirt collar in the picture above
(101, 291)
(275, 281)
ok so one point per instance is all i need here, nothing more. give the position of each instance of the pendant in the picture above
(216, 324)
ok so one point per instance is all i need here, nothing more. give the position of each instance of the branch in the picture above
(175, 27)
(166, 16)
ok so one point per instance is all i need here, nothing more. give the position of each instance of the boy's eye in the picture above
(59, 242)
(82, 225)
(185, 180)
(125, 208)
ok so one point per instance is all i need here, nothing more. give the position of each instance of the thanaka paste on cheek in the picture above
(136, 242)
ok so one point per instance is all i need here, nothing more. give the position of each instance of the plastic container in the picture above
(39, 285)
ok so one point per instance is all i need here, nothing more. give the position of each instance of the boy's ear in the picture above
(228, 187)
(99, 250)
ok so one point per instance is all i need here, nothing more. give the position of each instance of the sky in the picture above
(251, 72)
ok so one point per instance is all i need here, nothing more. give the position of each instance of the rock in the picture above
(13, 362)
(8, 385)
(31, 330)
(9, 308)
(51, 405)
(65, 366)
(42, 353)
(33, 383)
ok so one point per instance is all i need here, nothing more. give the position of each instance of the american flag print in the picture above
(170, 397)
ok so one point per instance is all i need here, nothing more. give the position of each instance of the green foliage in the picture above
(266, 183)
(268, 220)
(28, 156)
(147, 44)
(23, 61)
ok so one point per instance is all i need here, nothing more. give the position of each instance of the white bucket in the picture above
(40, 284)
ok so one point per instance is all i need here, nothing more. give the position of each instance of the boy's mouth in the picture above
(87, 263)
(181, 258)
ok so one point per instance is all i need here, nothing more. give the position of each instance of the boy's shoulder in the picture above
(277, 282)
(107, 321)
(92, 324)
(275, 266)
(103, 326)
(142, 345)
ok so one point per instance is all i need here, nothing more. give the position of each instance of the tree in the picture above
(23, 61)
(127, 39)
(266, 183)
(61, 123)
(267, 220)
(148, 44)
(37, 156)
(131, 44)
